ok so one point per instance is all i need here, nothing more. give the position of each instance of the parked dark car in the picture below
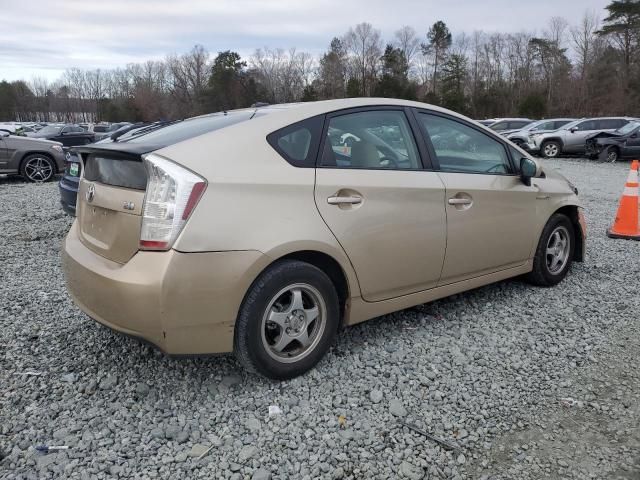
(37, 160)
(611, 146)
(68, 185)
(114, 127)
(68, 135)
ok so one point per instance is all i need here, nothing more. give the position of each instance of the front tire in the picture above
(287, 321)
(554, 252)
(551, 149)
(613, 155)
(37, 168)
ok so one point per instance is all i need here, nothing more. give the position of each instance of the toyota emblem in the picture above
(91, 192)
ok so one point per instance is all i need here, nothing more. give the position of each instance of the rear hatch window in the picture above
(117, 172)
(192, 127)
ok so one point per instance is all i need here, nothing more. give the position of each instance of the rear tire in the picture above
(287, 321)
(554, 253)
(551, 149)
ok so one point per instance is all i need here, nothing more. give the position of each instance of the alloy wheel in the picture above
(551, 150)
(558, 248)
(38, 169)
(293, 322)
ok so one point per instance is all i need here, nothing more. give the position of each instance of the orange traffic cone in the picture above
(626, 223)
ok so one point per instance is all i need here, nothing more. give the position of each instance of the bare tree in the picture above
(557, 31)
(365, 45)
(406, 39)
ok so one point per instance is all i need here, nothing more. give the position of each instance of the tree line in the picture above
(587, 69)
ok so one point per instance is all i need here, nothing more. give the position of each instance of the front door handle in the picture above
(460, 201)
(351, 200)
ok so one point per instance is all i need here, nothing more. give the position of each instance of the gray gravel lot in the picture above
(526, 382)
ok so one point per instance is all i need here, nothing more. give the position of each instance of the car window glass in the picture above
(558, 124)
(191, 128)
(460, 148)
(66, 130)
(548, 126)
(518, 124)
(380, 139)
(607, 124)
(298, 143)
(628, 128)
(587, 125)
(499, 126)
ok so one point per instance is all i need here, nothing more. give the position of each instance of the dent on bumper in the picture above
(184, 303)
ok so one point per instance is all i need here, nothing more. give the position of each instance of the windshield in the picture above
(50, 130)
(628, 128)
(190, 128)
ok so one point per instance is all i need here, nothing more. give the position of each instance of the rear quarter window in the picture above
(298, 143)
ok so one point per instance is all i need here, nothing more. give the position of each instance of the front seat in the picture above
(364, 155)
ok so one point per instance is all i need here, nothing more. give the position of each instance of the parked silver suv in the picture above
(572, 137)
(521, 137)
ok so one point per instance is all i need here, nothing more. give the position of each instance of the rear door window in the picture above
(373, 139)
(609, 124)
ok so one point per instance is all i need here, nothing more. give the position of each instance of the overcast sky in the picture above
(44, 37)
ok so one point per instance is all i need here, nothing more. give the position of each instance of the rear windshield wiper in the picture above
(121, 131)
(152, 127)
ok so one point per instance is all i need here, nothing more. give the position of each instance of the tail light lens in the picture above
(172, 194)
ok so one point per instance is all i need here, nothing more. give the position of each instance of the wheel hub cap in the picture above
(293, 322)
(558, 249)
(297, 321)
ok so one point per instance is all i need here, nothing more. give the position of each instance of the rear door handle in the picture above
(460, 201)
(352, 200)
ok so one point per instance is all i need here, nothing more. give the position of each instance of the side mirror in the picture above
(528, 169)
(573, 129)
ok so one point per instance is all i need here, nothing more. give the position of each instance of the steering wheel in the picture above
(392, 162)
(388, 155)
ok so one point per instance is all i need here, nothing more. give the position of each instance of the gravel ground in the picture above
(524, 382)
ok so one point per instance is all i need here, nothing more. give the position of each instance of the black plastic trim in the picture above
(315, 126)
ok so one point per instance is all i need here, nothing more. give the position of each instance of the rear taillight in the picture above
(172, 194)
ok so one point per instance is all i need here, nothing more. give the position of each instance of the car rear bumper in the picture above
(184, 303)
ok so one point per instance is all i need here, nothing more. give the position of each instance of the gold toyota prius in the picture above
(262, 231)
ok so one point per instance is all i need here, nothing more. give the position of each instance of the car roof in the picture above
(285, 114)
